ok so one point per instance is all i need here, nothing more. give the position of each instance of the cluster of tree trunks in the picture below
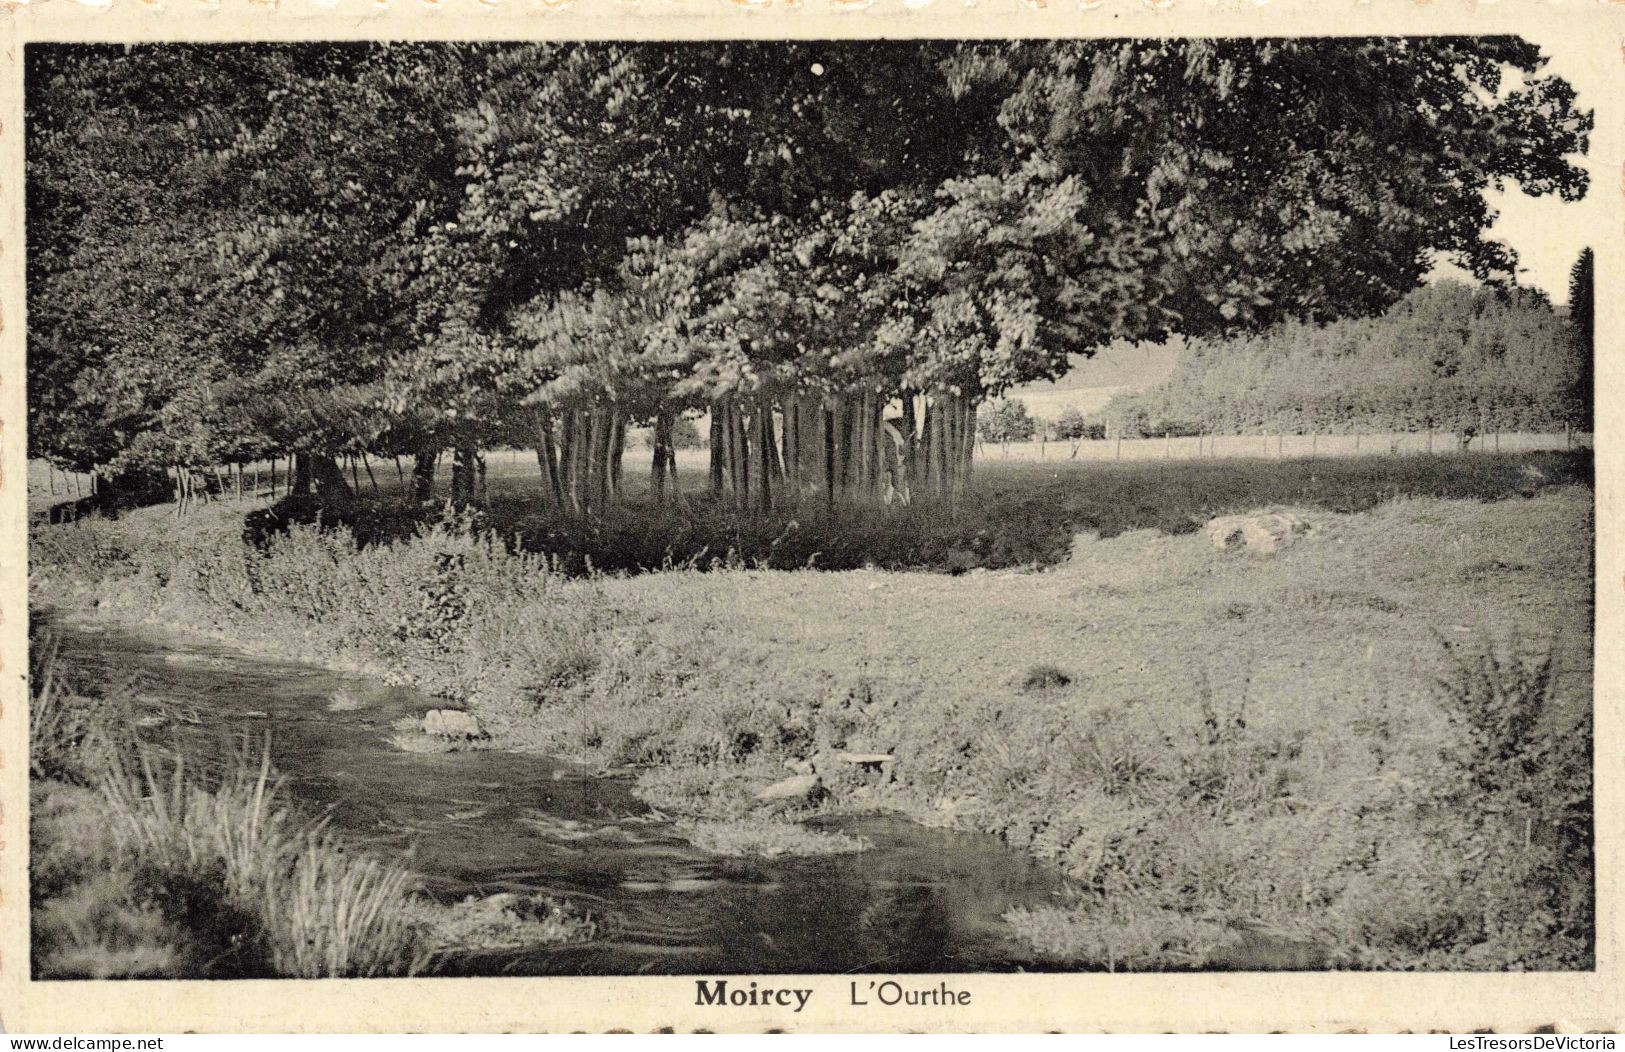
(765, 453)
(580, 456)
(841, 447)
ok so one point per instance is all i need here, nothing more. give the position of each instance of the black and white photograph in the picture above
(737, 508)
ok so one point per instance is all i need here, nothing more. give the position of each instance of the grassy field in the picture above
(1375, 741)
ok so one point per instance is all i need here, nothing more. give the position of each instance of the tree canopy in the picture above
(235, 250)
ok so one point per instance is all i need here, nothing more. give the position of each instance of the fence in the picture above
(1272, 446)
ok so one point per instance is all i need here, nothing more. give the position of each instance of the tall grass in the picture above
(319, 910)
(217, 872)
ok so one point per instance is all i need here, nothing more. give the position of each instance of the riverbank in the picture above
(1208, 742)
(149, 859)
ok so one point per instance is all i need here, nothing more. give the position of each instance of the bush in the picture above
(685, 434)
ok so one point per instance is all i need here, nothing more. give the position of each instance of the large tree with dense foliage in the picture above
(408, 247)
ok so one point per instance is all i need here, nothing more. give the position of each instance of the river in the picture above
(482, 822)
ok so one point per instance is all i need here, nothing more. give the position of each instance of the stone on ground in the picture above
(1260, 533)
(796, 787)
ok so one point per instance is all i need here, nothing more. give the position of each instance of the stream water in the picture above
(920, 900)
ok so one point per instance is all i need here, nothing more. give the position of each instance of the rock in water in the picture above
(451, 723)
(797, 787)
(1260, 533)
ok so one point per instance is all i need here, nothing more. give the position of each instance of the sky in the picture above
(1547, 232)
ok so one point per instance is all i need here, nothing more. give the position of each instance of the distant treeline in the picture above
(1447, 358)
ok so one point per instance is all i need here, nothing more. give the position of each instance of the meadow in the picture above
(1374, 742)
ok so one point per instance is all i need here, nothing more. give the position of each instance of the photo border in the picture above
(1089, 1002)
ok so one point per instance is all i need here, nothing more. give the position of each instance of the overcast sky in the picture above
(1548, 233)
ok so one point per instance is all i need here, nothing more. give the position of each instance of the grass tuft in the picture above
(766, 838)
(1044, 677)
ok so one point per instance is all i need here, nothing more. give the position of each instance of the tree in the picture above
(1073, 425)
(342, 248)
(1582, 320)
(1005, 421)
(1446, 357)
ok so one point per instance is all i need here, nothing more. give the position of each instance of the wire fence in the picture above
(1273, 446)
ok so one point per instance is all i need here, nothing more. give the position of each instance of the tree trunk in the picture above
(741, 456)
(617, 448)
(827, 431)
(719, 449)
(580, 463)
(906, 454)
(671, 468)
(775, 461)
(938, 414)
(463, 469)
(366, 462)
(956, 451)
(300, 486)
(866, 443)
(789, 436)
(969, 444)
(840, 437)
(877, 443)
(548, 458)
(567, 462)
(764, 440)
(594, 478)
(662, 448)
(327, 480)
(423, 465)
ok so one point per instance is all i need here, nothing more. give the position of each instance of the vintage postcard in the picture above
(895, 516)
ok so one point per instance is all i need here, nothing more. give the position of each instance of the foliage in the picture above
(1074, 424)
(1583, 325)
(767, 838)
(1005, 421)
(685, 434)
(398, 248)
(1448, 358)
